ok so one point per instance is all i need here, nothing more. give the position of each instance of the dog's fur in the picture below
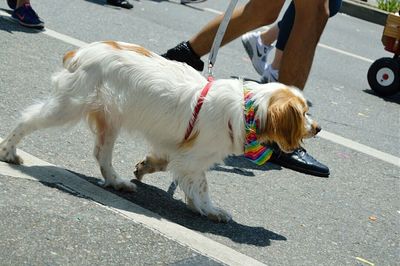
(116, 85)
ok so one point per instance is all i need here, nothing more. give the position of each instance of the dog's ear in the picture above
(285, 120)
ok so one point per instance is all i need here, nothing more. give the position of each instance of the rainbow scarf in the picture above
(253, 150)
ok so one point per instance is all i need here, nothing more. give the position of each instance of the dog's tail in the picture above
(68, 61)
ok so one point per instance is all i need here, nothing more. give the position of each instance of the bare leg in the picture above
(269, 36)
(310, 20)
(106, 135)
(254, 14)
(149, 165)
(276, 62)
(21, 2)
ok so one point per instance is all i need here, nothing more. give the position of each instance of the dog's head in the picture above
(284, 118)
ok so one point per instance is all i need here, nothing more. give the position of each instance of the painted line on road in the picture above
(346, 53)
(135, 213)
(211, 10)
(360, 147)
(325, 135)
(64, 38)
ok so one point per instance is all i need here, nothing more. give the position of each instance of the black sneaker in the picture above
(27, 17)
(183, 52)
(120, 3)
(300, 161)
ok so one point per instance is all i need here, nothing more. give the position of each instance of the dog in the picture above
(118, 86)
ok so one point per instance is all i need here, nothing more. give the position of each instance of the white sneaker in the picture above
(270, 75)
(257, 52)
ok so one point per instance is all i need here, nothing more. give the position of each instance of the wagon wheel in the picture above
(384, 76)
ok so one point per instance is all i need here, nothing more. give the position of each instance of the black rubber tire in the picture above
(390, 67)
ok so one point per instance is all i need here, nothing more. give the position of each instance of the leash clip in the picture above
(210, 73)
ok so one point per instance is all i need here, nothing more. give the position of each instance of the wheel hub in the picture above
(385, 76)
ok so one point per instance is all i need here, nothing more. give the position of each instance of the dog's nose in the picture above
(317, 129)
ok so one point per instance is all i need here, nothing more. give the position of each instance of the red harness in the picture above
(196, 110)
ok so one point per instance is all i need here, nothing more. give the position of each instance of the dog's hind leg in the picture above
(106, 134)
(150, 164)
(196, 191)
(51, 113)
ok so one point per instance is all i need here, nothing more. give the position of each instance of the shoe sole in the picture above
(301, 170)
(36, 26)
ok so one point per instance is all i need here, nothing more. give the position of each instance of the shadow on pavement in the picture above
(393, 98)
(241, 166)
(163, 203)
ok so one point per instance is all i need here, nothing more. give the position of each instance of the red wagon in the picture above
(384, 73)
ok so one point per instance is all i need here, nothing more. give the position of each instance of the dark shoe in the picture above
(183, 52)
(12, 4)
(120, 3)
(300, 161)
(27, 17)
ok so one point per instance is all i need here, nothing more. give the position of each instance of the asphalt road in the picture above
(280, 217)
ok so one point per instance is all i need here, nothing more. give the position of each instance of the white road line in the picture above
(360, 147)
(212, 11)
(346, 53)
(326, 135)
(135, 213)
(64, 38)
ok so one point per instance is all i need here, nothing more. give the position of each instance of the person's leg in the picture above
(280, 33)
(285, 25)
(269, 36)
(284, 28)
(276, 62)
(254, 14)
(309, 23)
(22, 2)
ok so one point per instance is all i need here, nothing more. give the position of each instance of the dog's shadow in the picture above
(162, 203)
(241, 166)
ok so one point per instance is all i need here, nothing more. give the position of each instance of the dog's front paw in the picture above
(219, 215)
(140, 170)
(149, 165)
(9, 156)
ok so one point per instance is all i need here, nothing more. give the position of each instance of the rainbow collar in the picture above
(253, 150)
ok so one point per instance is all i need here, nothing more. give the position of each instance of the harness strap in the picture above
(198, 106)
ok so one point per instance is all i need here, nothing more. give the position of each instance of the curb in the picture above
(364, 11)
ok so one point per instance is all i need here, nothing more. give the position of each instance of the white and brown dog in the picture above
(118, 86)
